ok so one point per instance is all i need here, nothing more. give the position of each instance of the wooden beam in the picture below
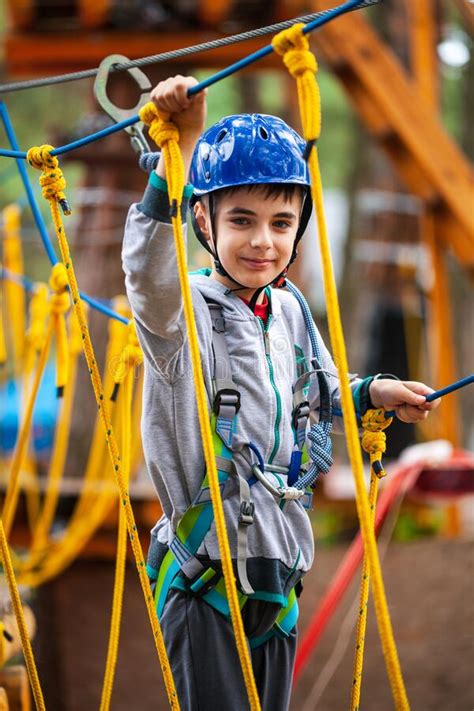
(418, 146)
(93, 13)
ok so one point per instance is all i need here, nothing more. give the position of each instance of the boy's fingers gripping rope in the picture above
(166, 135)
(52, 181)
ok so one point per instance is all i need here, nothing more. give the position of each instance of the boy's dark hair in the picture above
(269, 190)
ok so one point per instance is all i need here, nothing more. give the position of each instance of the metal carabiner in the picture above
(137, 138)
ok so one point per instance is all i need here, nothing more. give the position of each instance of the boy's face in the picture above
(255, 235)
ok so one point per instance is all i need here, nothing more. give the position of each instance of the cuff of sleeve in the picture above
(155, 202)
(361, 396)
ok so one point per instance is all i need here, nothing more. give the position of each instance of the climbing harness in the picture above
(181, 569)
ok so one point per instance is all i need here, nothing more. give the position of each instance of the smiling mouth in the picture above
(257, 263)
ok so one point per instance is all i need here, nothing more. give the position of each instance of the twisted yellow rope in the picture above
(14, 293)
(294, 45)
(13, 489)
(374, 443)
(99, 491)
(166, 136)
(39, 543)
(53, 184)
(131, 357)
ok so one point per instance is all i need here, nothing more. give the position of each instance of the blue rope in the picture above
(320, 451)
(237, 66)
(40, 223)
(308, 318)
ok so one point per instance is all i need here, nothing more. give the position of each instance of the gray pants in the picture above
(204, 660)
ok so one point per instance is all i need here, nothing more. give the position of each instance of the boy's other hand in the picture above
(407, 398)
(187, 112)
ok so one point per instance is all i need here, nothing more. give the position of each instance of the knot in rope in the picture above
(160, 130)
(293, 46)
(321, 446)
(374, 440)
(58, 283)
(52, 179)
(320, 454)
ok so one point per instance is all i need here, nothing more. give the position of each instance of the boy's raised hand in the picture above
(407, 398)
(187, 112)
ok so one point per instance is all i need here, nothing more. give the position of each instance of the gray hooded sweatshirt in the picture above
(264, 364)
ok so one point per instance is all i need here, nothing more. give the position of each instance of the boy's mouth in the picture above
(258, 264)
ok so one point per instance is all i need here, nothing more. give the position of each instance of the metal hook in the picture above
(137, 138)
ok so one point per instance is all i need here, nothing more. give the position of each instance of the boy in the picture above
(250, 206)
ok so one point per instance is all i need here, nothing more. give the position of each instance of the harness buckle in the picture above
(300, 412)
(247, 510)
(227, 397)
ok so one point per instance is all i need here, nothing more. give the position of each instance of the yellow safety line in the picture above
(20, 620)
(301, 63)
(53, 184)
(166, 136)
(374, 443)
(11, 497)
(125, 401)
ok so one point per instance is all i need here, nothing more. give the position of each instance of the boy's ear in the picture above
(200, 213)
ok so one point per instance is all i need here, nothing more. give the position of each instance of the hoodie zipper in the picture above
(276, 427)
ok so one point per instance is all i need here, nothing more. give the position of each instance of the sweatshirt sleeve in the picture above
(333, 381)
(151, 274)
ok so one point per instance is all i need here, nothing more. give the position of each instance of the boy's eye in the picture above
(281, 224)
(239, 221)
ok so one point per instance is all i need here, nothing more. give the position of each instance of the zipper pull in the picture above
(266, 340)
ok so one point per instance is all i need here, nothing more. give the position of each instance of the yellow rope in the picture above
(131, 357)
(99, 491)
(374, 443)
(58, 457)
(21, 622)
(3, 346)
(14, 293)
(166, 136)
(294, 48)
(13, 490)
(53, 184)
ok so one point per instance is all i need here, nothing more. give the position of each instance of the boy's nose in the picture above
(262, 238)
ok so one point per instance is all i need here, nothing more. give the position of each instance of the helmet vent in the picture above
(263, 133)
(221, 135)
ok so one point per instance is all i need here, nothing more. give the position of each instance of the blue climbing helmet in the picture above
(249, 149)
